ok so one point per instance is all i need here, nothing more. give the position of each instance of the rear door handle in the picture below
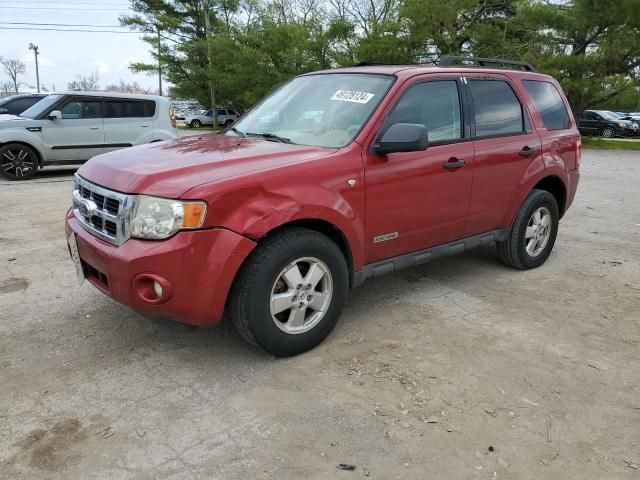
(94, 128)
(454, 163)
(527, 152)
(144, 125)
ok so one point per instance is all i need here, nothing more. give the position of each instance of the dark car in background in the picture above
(16, 104)
(633, 118)
(606, 124)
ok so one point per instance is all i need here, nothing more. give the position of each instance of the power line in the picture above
(65, 30)
(71, 4)
(61, 24)
(69, 9)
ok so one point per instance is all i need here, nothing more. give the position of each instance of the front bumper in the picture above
(198, 268)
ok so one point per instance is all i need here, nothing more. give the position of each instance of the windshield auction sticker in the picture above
(352, 96)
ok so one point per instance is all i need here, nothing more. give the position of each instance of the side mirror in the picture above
(403, 137)
(3, 111)
(55, 114)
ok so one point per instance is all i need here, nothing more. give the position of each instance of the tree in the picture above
(586, 44)
(85, 83)
(251, 46)
(13, 67)
(5, 87)
(124, 87)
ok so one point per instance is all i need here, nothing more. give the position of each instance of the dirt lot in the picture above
(459, 369)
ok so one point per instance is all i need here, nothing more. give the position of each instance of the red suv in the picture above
(336, 177)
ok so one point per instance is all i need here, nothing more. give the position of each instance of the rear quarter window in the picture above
(119, 108)
(548, 103)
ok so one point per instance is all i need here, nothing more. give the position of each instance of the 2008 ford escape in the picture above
(336, 177)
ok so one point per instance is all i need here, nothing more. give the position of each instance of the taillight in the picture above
(578, 151)
(172, 117)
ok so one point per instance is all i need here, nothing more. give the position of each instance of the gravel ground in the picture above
(461, 368)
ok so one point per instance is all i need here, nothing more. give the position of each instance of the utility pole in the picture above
(36, 53)
(207, 24)
(159, 64)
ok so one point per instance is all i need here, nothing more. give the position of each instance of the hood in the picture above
(169, 169)
(10, 121)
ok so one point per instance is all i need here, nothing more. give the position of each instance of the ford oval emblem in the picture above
(87, 208)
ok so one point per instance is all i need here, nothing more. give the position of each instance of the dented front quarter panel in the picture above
(312, 189)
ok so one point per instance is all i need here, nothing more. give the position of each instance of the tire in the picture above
(608, 132)
(518, 251)
(293, 330)
(228, 123)
(195, 124)
(18, 161)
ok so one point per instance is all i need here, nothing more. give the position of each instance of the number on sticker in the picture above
(352, 96)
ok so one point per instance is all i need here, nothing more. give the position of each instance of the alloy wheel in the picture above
(301, 295)
(17, 162)
(538, 231)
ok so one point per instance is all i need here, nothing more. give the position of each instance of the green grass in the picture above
(603, 144)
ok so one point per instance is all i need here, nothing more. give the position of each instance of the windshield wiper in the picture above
(270, 136)
(237, 132)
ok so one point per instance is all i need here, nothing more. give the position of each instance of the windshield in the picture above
(326, 110)
(35, 110)
(609, 115)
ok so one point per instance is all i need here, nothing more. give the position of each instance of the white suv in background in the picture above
(226, 117)
(70, 128)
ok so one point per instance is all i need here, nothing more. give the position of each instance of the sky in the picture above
(64, 55)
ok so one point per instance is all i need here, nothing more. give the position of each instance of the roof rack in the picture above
(485, 62)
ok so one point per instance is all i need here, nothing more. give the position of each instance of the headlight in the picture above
(157, 218)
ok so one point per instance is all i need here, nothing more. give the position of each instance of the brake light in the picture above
(578, 151)
(172, 117)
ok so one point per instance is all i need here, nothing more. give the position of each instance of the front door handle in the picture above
(94, 128)
(454, 163)
(527, 152)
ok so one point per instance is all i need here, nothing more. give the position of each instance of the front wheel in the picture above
(18, 162)
(290, 293)
(195, 124)
(228, 123)
(608, 132)
(533, 233)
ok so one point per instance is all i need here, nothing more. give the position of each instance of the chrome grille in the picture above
(102, 212)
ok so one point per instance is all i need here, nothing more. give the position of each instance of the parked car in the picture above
(407, 164)
(16, 104)
(69, 128)
(635, 119)
(606, 124)
(226, 117)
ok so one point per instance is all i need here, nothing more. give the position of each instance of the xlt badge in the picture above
(385, 237)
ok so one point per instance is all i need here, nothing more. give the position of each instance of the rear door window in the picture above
(549, 104)
(498, 111)
(434, 104)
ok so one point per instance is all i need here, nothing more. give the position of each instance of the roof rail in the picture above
(485, 62)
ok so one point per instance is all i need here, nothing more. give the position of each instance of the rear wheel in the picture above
(533, 233)
(18, 162)
(608, 132)
(195, 124)
(228, 123)
(290, 293)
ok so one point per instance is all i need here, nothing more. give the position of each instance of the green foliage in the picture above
(604, 144)
(590, 46)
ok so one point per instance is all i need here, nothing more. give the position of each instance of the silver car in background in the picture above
(70, 128)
